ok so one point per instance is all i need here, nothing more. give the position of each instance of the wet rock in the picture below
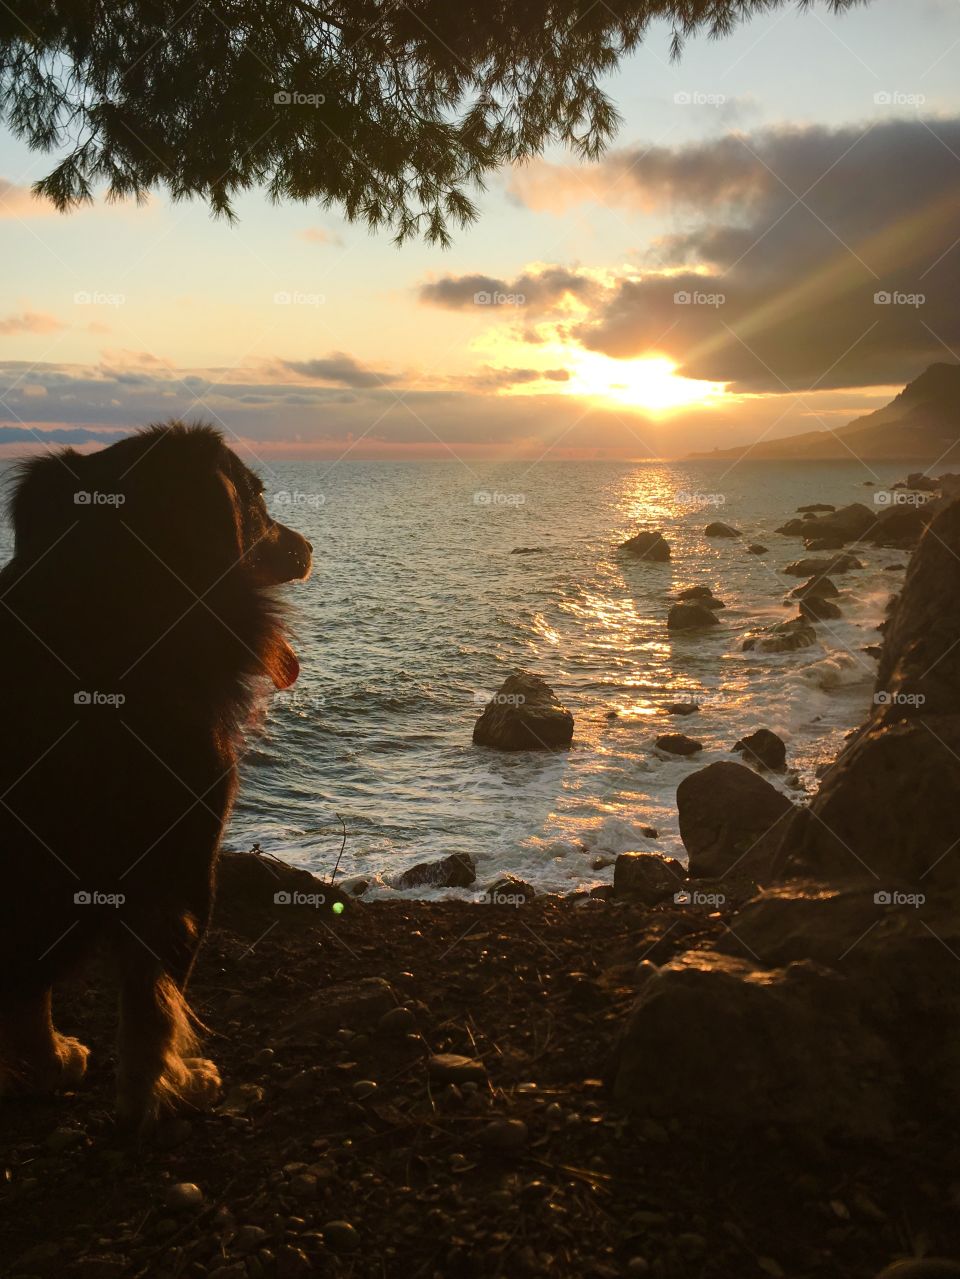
(647, 546)
(900, 526)
(763, 748)
(785, 637)
(528, 550)
(524, 714)
(678, 744)
(793, 528)
(456, 871)
(508, 890)
(719, 529)
(818, 568)
(397, 1021)
(693, 616)
(730, 817)
(682, 708)
(505, 1135)
(823, 543)
(647, 877)
(817, 609)
(184, 1196)
(756, 549)
(817, 507)
(848, 524)
(819, 586)
(700, 595)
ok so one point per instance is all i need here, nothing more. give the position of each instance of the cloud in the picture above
(20, 202)
(320, 235)
(340, 368)
(533, 290)
(789, 234)
(30, 322)
(492, 379)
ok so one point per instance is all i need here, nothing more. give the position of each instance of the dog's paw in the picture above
(63, 1070)
(201, 1086)
(73, 1061)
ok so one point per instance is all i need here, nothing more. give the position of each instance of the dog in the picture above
(137, 624)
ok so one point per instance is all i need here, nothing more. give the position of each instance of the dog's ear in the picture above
(44, 501)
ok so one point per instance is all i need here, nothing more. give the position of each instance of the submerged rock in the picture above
(719, 529)
(528, 550)
(756, 549)
(817, 507)
(819, 568)
(456, 871)
(678, 744)
(730, 817)
(647, 546)
(693, 616)
(524, 714)
(785, 637)
(818, 609)
(764, 748)
(682, 708)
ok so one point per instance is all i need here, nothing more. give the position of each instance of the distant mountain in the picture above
(921, 424)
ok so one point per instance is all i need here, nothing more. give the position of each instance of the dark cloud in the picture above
(492, 379)
(530, 291)
(340, 368)
(798, 230)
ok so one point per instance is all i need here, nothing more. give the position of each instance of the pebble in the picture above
(264, 1057)
(364, 1088)
(185, 1196)
(505, 1134)
(341, 1236)
(638, 1266)
(292, 1262)
(63, 1139)
(397, 1021)
(452, 1068)
(249, 1238)
(303, 1186)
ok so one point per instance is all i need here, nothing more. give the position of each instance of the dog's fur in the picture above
(163, 598)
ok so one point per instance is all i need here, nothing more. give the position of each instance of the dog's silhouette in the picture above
(137, 620)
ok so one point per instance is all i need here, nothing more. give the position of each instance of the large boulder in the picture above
(524, 714)
(731, 818)
(900, 526)
(647, 546)
(730, 1045)
(647, 877)
(700, 595)
(817, 609)
(764, 749)
(678, 744)
(820, 586)
(819, 568)
(849, 524)
(883, 809)
(691, 616)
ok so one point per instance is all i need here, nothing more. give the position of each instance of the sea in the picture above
(418, 609)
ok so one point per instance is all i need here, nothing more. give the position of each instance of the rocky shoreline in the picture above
(743, 1067)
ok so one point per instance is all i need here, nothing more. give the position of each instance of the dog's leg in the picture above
(158, 1071)
(34, 1057)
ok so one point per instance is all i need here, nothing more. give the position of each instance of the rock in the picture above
(817, 507)
(647, 546)
(249, 884)
(524, 714)
(730, 817)
(647, 877)
(747, 1044)
(355, 1004)
(718, 529)
(820, 586)
(785, 637)
(880, 811)
(452, 1068)
(756, 549)
(849, 524)
(900, 526)
(292, 1263)
(921, 1268)
(528, 550)
(817, 609)
(184, 1196)
(820, 568)
(921, 483)
(678, 744)
(793, 528)
(602, 861)
(682, 708)
(397, 1021)
(764, 748)
(508, 890)
(456, 871)
(249, 1238)
(63, 1138)
(505, 1134)
(822, 543)
(685, 617)
(701, 595)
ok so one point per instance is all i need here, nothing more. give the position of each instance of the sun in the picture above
(650, 383)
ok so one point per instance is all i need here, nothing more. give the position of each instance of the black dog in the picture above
(136, 623)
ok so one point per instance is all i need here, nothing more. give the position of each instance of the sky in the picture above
(771, 244)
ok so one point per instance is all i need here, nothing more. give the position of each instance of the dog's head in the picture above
(168, 524)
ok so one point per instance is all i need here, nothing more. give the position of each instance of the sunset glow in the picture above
(651, 384)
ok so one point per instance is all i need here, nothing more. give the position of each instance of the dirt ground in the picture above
(342, 1149)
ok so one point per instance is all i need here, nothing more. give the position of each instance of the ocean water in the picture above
(417, 611)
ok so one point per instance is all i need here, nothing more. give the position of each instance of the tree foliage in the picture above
(394, 112)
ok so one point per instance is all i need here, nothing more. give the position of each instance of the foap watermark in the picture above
(485, 297)
(83, 497)
(695, 297)
(294, 497)
(895, 297)
(292, 297)
(94, 897)
(883, 897)
(501, 897)
(900, 497)
(699, 500)
(898, 699)
(696, 98)
(84, 698)
(693, 897)
(296, 898)
(94, 297)
(897, 98)
(480, 698)
(294, 98)
(485, 498)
